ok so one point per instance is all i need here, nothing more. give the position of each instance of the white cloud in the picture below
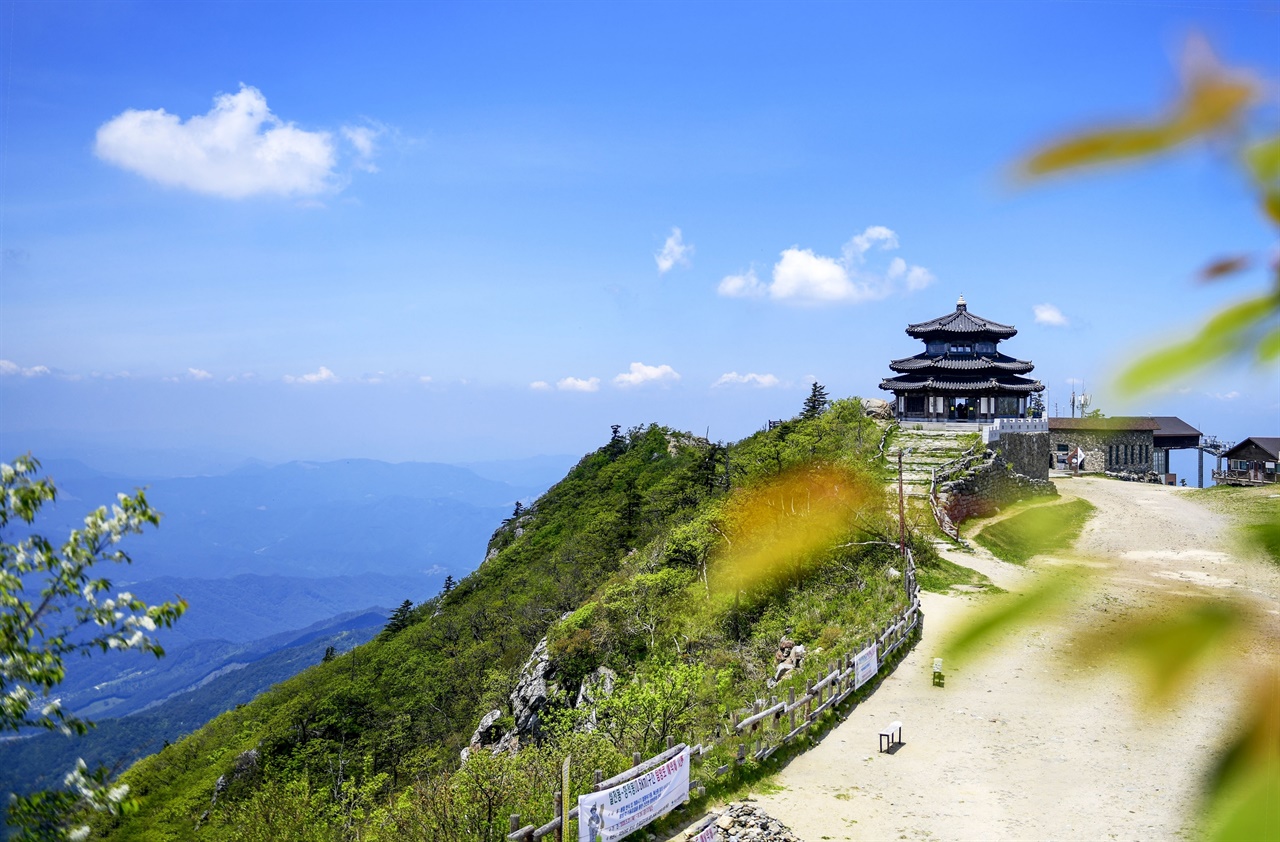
(1074, 381)
(856, 249)
(323, 375)
(8, 368)
(236, 150)
(1224, 396)
(540, 385)
(746, 285)
(641, 373)
(364, 140)
(199, 374)
(424, 379)
(802, 276)
(1049, 314)
(574, 384)
(674, 251)
(764, 381)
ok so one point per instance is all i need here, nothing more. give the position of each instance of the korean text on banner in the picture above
(611, 814)
(865, 666)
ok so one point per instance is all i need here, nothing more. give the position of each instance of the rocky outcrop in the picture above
(594, 687)
(536, 687)
(876, 408)
(744, 822)
(537, 690)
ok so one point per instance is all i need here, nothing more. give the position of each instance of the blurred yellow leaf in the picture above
(1210, 102)
(1166, 645)
(1008, 614)
(1099, 147)
(1224, 266)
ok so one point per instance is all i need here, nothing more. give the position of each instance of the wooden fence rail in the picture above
(838, 677)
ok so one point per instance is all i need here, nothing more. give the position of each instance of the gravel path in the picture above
(1028, 743)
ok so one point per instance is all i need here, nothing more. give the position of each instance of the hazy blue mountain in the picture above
(300, 519)
(40, 761)
(123, 683)
(539, 472)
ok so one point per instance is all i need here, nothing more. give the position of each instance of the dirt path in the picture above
(1027, 743)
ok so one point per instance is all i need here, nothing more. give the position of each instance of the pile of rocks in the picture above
(745, 822)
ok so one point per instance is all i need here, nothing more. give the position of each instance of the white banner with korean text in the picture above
(611, 814)
(865, 666)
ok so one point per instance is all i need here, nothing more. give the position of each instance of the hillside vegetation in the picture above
(677, 563)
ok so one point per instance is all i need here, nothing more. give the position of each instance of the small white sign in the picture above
(865, 666)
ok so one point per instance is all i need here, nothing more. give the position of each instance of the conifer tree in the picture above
(816, 402)
(399, 619)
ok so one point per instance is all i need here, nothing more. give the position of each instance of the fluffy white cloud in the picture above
(803, 277)
(1224, 396)
(199, 374)
(762, 380)
(238, 149)
(323, 375)
(540, 385)
(1049, 314)
(746, 285)
(674, 251)
(9, 368)
(641, 373)
(574, 384)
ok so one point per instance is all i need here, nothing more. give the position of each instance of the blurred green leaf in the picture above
(1166, 649)
(1249, 811)
(1271, 204)
(1269, 346)
(1008, 614)
(1263, 159)
(1223, 335)
(1244, 790)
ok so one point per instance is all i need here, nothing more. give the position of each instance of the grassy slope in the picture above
(629, 543)
(1256, 508)
(1036, 530)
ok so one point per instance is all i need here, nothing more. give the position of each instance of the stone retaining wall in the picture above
(984, 488)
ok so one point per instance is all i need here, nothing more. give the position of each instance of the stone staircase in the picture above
(934, 445)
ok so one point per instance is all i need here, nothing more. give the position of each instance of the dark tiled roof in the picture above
(961, 386)
(1270, 444)
(999, 362)
(1118, 423)
(1171, 425)
(961, 322)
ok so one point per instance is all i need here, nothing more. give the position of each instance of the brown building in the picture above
(1251, 462)
(1123, 443)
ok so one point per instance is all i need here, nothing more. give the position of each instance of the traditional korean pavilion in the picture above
(961, 376)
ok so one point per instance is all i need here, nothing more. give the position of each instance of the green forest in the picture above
(675, 562)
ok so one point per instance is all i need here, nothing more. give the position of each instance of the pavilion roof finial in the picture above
(961, 306)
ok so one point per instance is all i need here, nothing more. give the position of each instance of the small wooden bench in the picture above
(939, 680)
(890, 736)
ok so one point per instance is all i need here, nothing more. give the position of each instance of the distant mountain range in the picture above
(170, 697)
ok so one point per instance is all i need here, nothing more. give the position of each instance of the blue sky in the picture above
(467, 231)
